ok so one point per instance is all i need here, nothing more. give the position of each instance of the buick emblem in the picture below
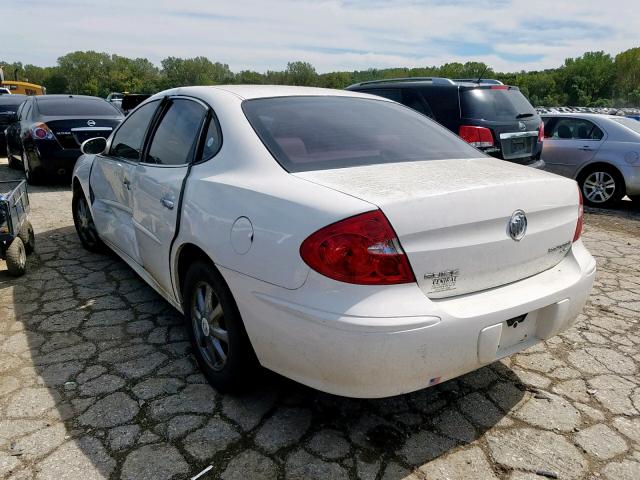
(91, 123)
(517, 226)
(522, 126)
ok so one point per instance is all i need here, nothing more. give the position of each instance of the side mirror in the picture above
(94, 146)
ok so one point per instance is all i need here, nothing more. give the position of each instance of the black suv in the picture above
(493, 117)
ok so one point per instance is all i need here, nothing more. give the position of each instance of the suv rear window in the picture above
(77, 107)
(318, 133)
(503, 104)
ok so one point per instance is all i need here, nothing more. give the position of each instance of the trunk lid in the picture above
(452, 216)
(71, 132)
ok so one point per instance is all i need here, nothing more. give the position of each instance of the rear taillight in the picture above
(41, 131)
(580, 223)
(541, 132)
(499, 87)
(476, 136)
(363, 249)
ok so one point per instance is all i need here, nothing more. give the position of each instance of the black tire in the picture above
(236, 370)
(28, 237)
(83, 221)
(13, 163)
(601, 186)
(34, 177)
(16, 258)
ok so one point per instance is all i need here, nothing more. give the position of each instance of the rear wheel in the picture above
(85, 227)
(601, 186)
(13, 163)
(28, 237)
(219, 340)
(32, 175)
(16, 258)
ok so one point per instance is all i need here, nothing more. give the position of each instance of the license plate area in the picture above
(518, 333)
(517, 147)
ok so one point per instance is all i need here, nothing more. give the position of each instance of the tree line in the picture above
(593, 79)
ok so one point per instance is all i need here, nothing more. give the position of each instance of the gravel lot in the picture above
(96, 381)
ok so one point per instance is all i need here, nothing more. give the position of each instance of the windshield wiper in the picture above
(523, 115)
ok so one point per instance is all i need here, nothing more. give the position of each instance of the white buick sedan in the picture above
(340, 239)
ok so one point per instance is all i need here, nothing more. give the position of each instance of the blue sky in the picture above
(509, 35)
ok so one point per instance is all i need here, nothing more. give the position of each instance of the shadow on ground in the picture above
(98, 379)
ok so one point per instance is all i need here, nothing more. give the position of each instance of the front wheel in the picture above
(16, 258)
(85, 227)
(220, 342)
(601, 187)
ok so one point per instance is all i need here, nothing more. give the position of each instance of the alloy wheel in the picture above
(208, 323)
(599, 187)
(86, 227)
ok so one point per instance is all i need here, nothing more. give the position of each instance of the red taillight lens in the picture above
(476, 136)
(361, 249)
(41, 131)
(499, 87)
(541, 132)
(580, 223)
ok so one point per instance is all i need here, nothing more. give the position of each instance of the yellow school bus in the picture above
(24, 88)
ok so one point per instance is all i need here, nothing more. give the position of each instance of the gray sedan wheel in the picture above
(601, 187)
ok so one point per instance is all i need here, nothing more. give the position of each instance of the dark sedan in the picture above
(45, 135)
(8, 107)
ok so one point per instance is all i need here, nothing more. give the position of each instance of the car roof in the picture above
(246, 92)
(16, 98)
(593, 116)
(46, 98)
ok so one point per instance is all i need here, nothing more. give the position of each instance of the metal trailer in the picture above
(17, 239)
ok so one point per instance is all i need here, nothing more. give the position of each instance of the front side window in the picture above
(177, 135)
(575, 129)
(324, 132)
(128, 139)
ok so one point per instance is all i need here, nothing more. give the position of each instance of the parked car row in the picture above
(44, 133)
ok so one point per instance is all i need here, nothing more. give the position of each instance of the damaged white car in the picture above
(339, 239)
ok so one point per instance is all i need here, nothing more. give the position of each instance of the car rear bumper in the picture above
(376, 342)
(53, 159)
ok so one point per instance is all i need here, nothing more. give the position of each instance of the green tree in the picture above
(87, 73)
(588, 78)
(301, 73)
(627, 84)
(179, 72)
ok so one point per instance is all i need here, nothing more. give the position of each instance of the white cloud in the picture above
(331, 34)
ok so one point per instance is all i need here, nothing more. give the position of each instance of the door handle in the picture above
(586, 148)
(167, 203)
(127, 184)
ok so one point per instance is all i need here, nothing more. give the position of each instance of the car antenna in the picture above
(486, 67)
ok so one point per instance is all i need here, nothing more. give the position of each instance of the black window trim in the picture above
(108, 153)
(155, 123)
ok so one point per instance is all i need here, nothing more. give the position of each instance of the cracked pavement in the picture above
(97, 381)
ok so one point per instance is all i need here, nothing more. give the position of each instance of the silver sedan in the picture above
(602, 152)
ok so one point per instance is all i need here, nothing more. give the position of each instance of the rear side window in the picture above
(174, 141)
(574, 129)
(502, 104)
(318, 133)
(76, 107)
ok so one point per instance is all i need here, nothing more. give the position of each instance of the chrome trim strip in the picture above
(531, 133)
(90, 129)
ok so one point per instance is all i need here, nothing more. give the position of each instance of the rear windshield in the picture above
(10, 106)
(76, 107)
(495, 104)
(629, 123)
(319, 133)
